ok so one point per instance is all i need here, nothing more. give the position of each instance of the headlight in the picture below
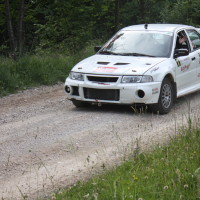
(131, 79)
(146, 79)
(76, 76)
(137, 79)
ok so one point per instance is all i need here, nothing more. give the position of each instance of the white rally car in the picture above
(149, 64)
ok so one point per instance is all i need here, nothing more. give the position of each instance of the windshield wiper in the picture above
(108, 52)
(135, 54)
(124, 54)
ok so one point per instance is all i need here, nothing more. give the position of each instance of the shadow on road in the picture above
(137, 109)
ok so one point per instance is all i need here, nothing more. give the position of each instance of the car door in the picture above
(186, 65)
(194, 37)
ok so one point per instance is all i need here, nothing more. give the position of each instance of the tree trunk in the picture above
(142, 11)
(13, 45)
(21, 27)
(116, 15)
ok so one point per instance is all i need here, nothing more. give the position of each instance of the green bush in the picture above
(35, 70)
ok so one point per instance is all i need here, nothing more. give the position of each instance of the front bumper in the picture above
(117, 93)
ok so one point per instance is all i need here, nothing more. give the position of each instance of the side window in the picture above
(195, 38)
(182, 41)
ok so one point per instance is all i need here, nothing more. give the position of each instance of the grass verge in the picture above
(168, 172)
(34, 70)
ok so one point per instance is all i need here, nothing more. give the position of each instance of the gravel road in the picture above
(46, 143)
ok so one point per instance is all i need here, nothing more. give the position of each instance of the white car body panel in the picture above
(117, 65)
(127, 91)
(184, 71)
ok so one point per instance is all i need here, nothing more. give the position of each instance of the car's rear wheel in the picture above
(79, 104)
(166, 98)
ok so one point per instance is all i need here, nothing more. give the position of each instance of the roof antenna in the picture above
(146, 26)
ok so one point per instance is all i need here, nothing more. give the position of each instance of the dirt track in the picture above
(46, 143)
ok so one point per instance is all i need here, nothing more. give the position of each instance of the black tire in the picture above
(79, 104)
(166, 98)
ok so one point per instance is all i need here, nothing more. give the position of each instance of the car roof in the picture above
(156, 27)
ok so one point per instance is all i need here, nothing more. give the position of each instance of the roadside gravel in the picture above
(46, 143)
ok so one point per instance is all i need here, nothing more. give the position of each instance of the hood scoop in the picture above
(102, 63)
(122, 63)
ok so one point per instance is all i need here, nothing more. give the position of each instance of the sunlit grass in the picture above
(170, 172)
(34, 70)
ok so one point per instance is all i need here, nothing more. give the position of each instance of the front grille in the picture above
(102, 79)
(101, 94)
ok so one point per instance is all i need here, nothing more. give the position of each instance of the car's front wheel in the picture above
(166, 98)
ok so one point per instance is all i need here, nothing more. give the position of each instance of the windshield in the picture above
(139, 43)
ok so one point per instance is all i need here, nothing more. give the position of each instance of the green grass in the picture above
(34, 70)
(171, 172)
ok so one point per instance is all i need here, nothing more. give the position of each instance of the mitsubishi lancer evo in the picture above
(150, 64)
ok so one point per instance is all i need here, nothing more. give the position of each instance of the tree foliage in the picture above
(66, 26)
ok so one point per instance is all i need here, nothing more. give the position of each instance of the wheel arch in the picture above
(166, 97)
(171, 78)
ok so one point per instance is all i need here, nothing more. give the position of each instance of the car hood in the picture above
(117, 65)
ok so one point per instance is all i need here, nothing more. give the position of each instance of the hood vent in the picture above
(122, 63)
(102, 63)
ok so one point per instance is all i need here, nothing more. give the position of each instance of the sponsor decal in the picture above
(185, 68)
(186, 59)
(178, 62)
(199, 57)
(105, 69)
(154, 90)
(100, 83)
(154, 69)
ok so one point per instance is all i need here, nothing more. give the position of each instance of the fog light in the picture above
(141, 93)
(67, 89)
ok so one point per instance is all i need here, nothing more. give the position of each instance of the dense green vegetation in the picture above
(169, 172)
(34, 70)
(38, 37)
(66, 26)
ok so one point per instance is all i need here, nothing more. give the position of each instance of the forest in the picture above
(30, 29)
(29, 26)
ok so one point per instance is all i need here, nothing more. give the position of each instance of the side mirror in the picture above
(97, 48)
(181, 52)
